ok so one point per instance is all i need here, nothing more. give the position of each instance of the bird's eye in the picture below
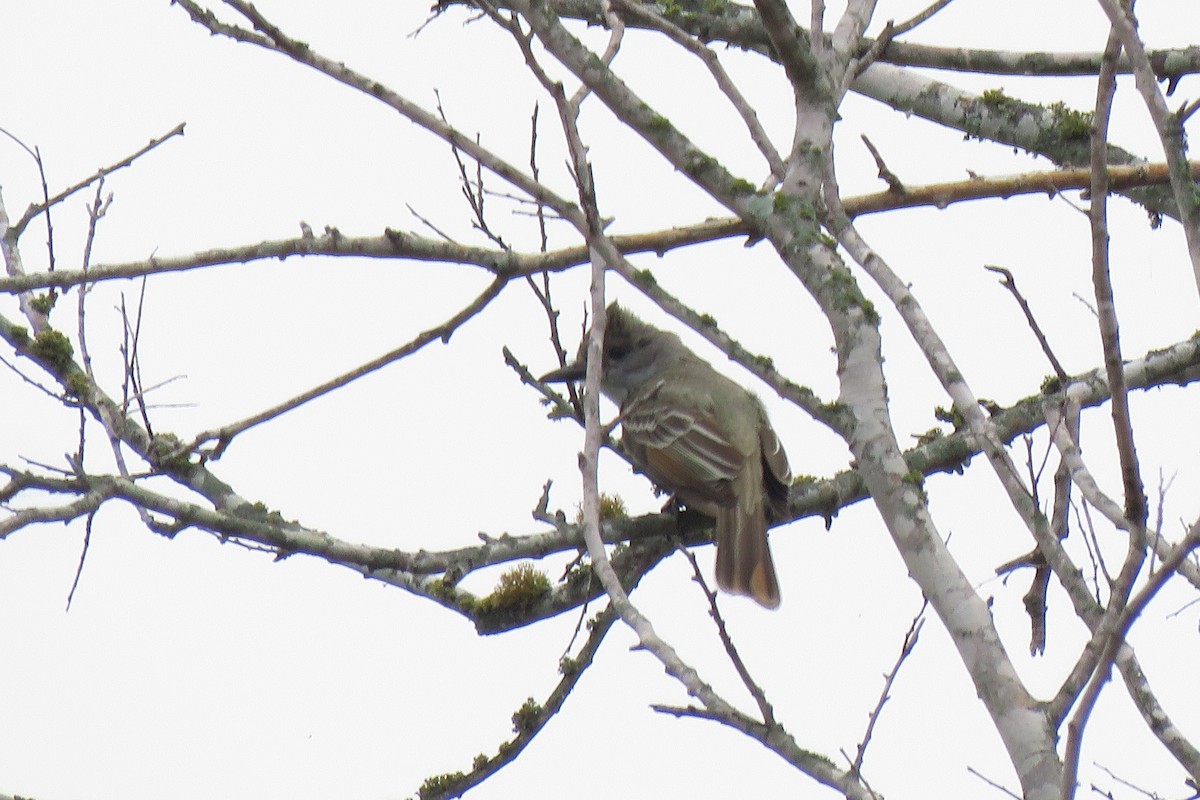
(618, 352)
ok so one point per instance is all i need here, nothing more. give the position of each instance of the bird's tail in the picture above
(744, 564)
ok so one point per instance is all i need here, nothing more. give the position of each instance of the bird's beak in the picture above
(571, 372)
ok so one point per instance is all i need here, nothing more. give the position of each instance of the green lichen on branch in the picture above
(692, 13)
(644, 277)
(742, 186)
(916, 479)
(1051, 384)
(765, 363)
(448, 592)
(703, 167)
(580, 572)
(997, 100)
(54, 350)
(1066, 124)
(78, 385)
(846, 295)
(802, 218)
(930, 436)
(949, 415)
(1071, 124)
(1194, 194)
(659, 124)
(831, 409)
(611, 507)
(167, 451)
(518, 590)
(440, 785)
(257, 512)
(994, 103)
(526, 718)
(44, 302)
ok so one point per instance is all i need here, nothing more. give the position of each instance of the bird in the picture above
(700, 436)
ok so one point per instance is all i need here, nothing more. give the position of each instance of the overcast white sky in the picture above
(189, 669)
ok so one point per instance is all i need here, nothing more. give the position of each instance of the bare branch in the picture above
(224, 435)
(1036, 128)
(895, 185)
(792, 50)
(906, 650)
(735, 658)
(997, 786)
(1113, 645)
(529, 721)
(80, 507)
(406, 245)
(270, 37)
(758, 135)
(1008, 282)
(1166, 63)
(32, 212)
(1169, 125)
(1110, 339)
(1068, 448)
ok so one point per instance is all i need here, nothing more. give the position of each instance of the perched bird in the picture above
(699, 435)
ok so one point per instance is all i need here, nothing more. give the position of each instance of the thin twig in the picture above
(225, 434)
(992, 783)
(269, 36)
(542, 293)
(1112, 647)
(648, 16)
(83, 551)
(1168, 126)
(735, 658)
(889, 34)
(133, 390)
(906, 649)
(532, 723)
(34, 210)
(918, 18)
(472, 189)
(1105, 639)
(1110, 338)
(1010, 283)
(616, 34)
(893, 181)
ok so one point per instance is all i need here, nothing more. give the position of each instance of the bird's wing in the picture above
(777, 474)
(682, 445)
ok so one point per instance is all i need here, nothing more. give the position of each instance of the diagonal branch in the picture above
(758, 134)
(34, 210)
(1051, 131)
(527, 726)
(224, 434)
(793, 51)
(1169, 125)
(269, 37)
